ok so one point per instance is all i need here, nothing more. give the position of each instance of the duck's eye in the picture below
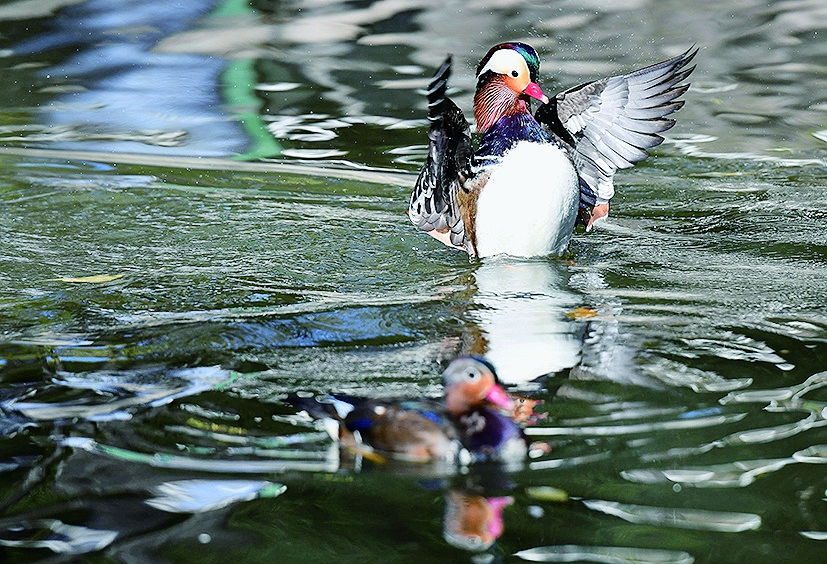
(472, 375)
(515, 74)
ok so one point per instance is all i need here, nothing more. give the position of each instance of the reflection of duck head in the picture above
(472, 521)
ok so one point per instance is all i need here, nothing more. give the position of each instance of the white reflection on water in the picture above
(816, 454)
(734, 346)
(692, 146)
(792, 394)
(604, 554)
(636, 428)
(198, 496)
(57, 536)
(729, 475)
(681, 518)
(674, 373)
(328, 463)
(113, 394)
(522, 316)
(742, 473)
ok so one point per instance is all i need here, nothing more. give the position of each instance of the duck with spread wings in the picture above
(533, 177)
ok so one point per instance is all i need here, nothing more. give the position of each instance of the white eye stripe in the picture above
(505, 61)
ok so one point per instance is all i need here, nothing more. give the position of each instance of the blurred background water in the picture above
(202, 211)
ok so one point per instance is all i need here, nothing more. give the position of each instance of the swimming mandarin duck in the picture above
(533, 177)
(465, 426)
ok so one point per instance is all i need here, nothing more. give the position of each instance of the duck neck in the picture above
(494, 101)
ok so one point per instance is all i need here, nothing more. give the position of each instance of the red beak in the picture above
(498, 397)
(533, 90)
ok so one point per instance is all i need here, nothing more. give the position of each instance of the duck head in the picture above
(506, 79)
(469, 383)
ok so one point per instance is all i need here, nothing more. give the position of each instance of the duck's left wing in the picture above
(610, 123)
(434, 207)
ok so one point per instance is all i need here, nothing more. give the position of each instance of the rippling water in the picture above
(201, 211)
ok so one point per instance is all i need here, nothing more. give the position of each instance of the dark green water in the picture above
(202, 211)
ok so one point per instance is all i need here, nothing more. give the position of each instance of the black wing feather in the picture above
(450, 158)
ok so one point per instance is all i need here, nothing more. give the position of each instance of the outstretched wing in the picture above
(610, 123)
(434, 207)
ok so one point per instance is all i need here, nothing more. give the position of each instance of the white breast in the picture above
(529, 204)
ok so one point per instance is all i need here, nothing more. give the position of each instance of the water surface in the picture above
(202, 211)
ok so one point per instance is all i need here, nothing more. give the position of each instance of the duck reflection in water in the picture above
(518, 313)
(473, 521)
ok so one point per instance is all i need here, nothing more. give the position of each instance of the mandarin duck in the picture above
(465, 426)
(533, 177)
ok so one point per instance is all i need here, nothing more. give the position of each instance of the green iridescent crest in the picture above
(531, 58)
(527, 51)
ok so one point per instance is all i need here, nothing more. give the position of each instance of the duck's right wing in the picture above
(434, 207)
(610, 123)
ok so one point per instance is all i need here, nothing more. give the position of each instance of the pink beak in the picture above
(498, 397)
(496, 526)
(533, 90)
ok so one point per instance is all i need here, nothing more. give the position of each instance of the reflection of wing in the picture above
(611, 122)
(433, 202)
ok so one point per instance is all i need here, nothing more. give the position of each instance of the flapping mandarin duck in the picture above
(534, 176)
(466, 426)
